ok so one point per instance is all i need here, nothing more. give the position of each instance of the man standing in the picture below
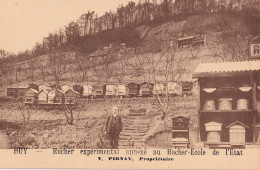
(114, 127)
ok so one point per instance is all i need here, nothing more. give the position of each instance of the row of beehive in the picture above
(51, 96)
(237, 131)
(131, 89)
(226, 104)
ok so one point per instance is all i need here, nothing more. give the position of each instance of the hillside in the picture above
(149, 52)
(145, 44)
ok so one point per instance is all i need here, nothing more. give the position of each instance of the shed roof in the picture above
(184, 38)
(228, 68)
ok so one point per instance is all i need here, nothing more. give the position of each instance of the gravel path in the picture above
(4, 144)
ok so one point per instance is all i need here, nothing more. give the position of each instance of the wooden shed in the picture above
(31, 96)
(199, 41)
(225, 84)
(185, 41)
(133, 89)
(71, 96)
(146, 89)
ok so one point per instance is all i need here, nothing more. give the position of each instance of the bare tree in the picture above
(164, 70)
(25, 112)
(57, 66)
(137, 63)
(72, 110)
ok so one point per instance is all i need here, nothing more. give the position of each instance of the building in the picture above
(185, 42)
(31, 96)
(199, 41)
(229, 103)
(191, 41)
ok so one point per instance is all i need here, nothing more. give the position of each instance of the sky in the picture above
(25, 22)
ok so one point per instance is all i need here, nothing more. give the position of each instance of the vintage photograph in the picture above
(130, 74)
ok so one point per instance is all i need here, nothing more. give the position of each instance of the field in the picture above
(49, 129)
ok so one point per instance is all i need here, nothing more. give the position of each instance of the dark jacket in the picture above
(118, 124)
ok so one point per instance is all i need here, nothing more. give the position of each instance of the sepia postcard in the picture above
(130, 84)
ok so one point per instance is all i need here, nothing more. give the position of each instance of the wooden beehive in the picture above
(213, 130)
(31, 96)
(237, 132)
(133, 89)
(71, 96)
(146, 89)
(180, 129)
(43, 97)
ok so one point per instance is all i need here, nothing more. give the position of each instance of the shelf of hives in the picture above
(224, 111)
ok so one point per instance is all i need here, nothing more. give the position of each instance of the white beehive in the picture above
(237, 132)
(213, 130)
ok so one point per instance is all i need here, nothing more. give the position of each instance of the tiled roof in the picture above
(225, 67)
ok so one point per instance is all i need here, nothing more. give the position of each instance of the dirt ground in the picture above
(49, 129)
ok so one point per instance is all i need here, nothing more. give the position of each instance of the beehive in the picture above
(237, 132)
(225, 104)
(213, 130)
(209, 105)
(242, 104)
